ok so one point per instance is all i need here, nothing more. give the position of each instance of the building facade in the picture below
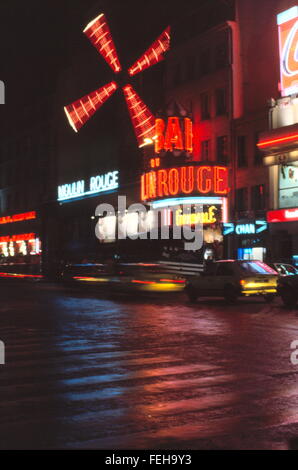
(222, 73)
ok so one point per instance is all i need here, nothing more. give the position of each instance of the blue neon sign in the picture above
(245, 229)
(250, 228)
(97, 184)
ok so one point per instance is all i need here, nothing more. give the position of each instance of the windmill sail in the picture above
(143, 121)
(141, 117)
(100, 36)
(79, 112)
(153, 55)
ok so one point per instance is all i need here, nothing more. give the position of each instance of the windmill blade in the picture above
(100, 36)
(79, 112)
(142, 119)
(154, 54)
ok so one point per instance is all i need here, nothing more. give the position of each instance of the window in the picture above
(256, 267)
(258, 153)
(205, 64)
(241, 151)
(177, 75)
(205, 150)
(205, 106)
(286, 269)
(221, 55)
(241, 199)
(8, 202)
(222, 149)
(220, 101)
(258, 197)
(190, 68)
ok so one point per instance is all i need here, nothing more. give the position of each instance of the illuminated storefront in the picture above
(171, 181)
(20, 250)
(170, 189)
(250, 238)
(22, 244)
(280, 146)
(77, 202)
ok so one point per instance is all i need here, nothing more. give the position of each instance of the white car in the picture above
(231, 279)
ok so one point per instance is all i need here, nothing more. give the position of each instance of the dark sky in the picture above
(34, 33)
(41, 39)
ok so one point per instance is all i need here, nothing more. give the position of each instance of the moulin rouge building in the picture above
(169, 175)
(214, 113)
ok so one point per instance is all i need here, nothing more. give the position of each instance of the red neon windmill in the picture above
(79, 112)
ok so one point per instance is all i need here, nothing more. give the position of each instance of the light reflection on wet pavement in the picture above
(85, 371)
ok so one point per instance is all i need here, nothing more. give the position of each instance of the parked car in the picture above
(232, 279)
(287, 288)
(284, 269)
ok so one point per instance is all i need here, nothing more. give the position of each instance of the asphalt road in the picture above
(87, 372)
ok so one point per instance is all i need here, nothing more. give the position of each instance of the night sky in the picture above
(37, 36)
(44, 53)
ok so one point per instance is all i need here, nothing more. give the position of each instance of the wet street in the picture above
(87, 372)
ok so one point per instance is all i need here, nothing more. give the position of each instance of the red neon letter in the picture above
(187, 179)
(204, 179)
(159, 133)
(173, 181)
(174, 139)
(152, 184)
(144, 188)
(162, 185)
(188, 135)
(221, 180)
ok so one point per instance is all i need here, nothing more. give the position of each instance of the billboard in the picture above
(288, 186)
(288, 50)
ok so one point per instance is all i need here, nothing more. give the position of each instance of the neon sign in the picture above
(245, 229)
(185, 180)
(288, 49)
(97, 184)
(250, 228)
(206, 217)
(284, 215)
(279, 140)
(18, 238)
(175, 134)
(154, 54)
(18, 218)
